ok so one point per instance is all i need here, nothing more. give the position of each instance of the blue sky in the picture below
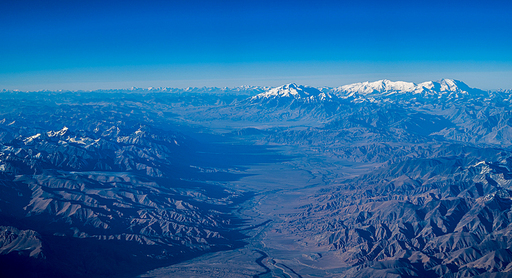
(74, 45)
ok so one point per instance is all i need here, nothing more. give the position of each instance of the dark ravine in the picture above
(259, 261)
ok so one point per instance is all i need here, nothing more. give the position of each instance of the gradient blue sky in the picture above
(74, 44)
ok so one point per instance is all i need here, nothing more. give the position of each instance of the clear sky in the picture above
(75, 44)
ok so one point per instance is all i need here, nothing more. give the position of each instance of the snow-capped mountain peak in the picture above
(442, 88)
(379, 86)
(57, 133)
(288, 90)
(451, 85)
(292, 91)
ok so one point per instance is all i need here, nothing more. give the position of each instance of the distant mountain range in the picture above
(445, 89)
(386, 87)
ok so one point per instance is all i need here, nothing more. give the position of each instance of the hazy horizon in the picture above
(89, 45)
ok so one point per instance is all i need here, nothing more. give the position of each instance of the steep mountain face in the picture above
(24, 243)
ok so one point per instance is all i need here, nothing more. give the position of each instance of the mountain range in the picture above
(373, 179)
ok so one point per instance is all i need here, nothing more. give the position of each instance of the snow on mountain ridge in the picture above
(385, 85)
(378, 86)
(292, 91)
(448, 88)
